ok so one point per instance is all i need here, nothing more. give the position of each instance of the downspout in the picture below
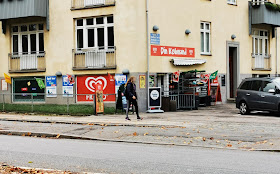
(276, 35)
(148, 52)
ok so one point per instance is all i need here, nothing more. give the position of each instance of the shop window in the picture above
(26, 89)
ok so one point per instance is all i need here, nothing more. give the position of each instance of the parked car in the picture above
(258, 94)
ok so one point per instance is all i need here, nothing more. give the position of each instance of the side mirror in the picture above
(272, 91)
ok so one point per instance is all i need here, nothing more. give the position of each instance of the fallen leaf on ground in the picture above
(134, 134)
(204, 139)
(146, 134)
(229, 145)
(211, 138)
(29, 133)
(58, 135)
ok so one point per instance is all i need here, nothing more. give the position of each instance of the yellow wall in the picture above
(172, 17)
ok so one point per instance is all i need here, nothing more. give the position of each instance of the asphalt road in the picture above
(105, 157)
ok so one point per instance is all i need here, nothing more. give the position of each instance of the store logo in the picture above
(191, 52)
(154, 94)
(155, 50)
(91, 81)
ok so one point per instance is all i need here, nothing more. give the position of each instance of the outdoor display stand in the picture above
(154, 101)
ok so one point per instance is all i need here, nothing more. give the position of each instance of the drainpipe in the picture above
(276, 72)
(148, 52)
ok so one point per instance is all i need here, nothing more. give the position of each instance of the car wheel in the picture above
(243, 108)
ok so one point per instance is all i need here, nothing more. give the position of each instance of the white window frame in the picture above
(264, 38)
(232, 2)
(205, 31)
(95, 26)
(28, 33)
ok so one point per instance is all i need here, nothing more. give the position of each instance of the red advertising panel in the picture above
(86, 85)
(157, 50)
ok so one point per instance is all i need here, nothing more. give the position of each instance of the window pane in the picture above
(80, 22)
(111, 36)
(41, 42)
(33, 43)
(32, 27)
(202, 41)
(15, 28)
(246, 85)
(23, 28)
(80, 38)
(266, 46)
(268, 85)
(24, 40)
(110, 19)
(100, 20)
(90, 21)
(261, 33)
(207, 42)
(256, 46)
(201, 25)
(261, 46)
(15, 44)
(256, 85)
(100, 34)
(41, 26)
(90, 37)
(207, 26)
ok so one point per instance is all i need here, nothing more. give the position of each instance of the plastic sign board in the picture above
(86, 88)
(155, 39)
(119, 80)
(99, 104)
(51, 86)
(157, 50)
(67, 87)
(155, 97)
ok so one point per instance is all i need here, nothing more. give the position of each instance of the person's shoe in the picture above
(127, 119)
(139, 118)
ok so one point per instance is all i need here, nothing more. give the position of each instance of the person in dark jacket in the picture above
(131, 97)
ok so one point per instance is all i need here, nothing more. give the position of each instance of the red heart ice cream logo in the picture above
(91, 81)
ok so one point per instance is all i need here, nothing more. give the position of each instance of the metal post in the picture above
(276, 35)
(32, 109)
(67, 104)
(93, 105)
(3, 103)
(148, 53)
(94, 99)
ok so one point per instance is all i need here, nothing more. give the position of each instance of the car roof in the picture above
(261, 78)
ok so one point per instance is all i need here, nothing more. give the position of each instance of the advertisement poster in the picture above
(157, 50)
(51, 86)
(4, 85)
(152, 81)
(155, 97)
(86, 88)
(142, 81)
(99, 98)
(119, 80)
(67, 87)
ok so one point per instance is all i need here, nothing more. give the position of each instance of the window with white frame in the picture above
(205, 38)
(260, 43)
(93, 2)
(231, 2)
(96, 32)
(27, 39)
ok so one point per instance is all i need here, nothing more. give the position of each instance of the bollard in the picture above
(32, 107)
(3, 103)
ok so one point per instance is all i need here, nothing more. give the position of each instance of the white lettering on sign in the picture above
(163, 50)
(154, 94)
(90, 81)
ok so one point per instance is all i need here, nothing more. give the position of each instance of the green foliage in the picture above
(78, 110)
(272, 6)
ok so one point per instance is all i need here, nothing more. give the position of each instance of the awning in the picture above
(182, 62)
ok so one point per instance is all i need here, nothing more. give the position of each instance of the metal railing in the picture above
(94, 58)
(258, 2)
(53, 103)
(183, 101)
(27, 61)
(80, 4)
(261, 62)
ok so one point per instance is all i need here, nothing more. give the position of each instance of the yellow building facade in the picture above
(99, 37)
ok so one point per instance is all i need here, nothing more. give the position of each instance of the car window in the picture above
(246, 85)
(268, 85)
(256, 85)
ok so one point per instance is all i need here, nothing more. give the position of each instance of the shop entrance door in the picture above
(232, 69)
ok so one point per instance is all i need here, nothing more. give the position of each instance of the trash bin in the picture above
(165, 104)
(173, 106)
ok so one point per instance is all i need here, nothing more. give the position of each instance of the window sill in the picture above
(90, 7)
(261, 69)
(205, 54)
(232, 4)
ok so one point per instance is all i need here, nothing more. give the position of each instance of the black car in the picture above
(258, 94)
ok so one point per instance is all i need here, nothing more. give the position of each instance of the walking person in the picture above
(131, 97)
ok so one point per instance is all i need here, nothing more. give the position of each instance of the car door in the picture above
(269, 101)
(253, 97)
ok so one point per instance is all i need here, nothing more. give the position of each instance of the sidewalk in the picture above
(216, 127)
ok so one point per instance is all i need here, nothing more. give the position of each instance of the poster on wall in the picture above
(67, 87)
(86, 88)
(152, 81)
(51, 86)
(4, 85)
(142, 81)
(119, 80)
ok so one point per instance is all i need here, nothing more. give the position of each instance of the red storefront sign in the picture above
(86, 85)
(157, 50)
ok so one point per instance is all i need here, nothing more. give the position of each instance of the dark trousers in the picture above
(135, 104)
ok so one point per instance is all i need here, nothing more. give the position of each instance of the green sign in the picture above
(214, 75)
(41, 84)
